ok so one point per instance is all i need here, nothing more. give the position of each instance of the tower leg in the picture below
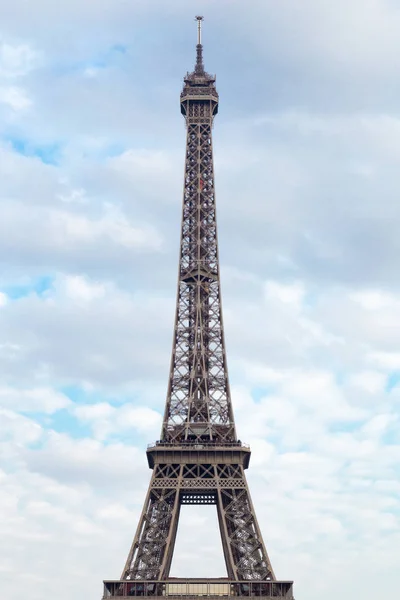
(241, 536)
(151, 552)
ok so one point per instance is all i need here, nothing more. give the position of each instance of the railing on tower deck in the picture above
(196, 91)
(199, 444)
(213, 588)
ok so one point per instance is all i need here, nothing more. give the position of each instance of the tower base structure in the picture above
(212, 589)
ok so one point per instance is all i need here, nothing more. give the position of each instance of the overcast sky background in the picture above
(307, 151)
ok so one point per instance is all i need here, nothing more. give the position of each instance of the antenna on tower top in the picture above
(199, 24)
(199, 69)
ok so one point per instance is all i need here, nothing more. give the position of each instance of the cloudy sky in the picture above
(307, 150)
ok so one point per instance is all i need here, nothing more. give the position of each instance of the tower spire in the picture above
(199, 69)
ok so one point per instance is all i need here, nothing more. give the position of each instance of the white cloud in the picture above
(49, 238)
(58, 335)
(289, 294)
(146, 162)
(378, 425)
(42, 400)
(78, 289)
(14, 428)
(15, 97)
(373, 382)
(16, 60)
(389, 361)
(85, 461)
(113, 226)
(106, 420)
(75, 195)
(374, 299)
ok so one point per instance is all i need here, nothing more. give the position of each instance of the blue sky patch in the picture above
(64, 422)
(392, 381)
(79, 395)
(38, 286)
(48, 153)
(102, 60)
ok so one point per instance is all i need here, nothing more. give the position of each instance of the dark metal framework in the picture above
(198, 459)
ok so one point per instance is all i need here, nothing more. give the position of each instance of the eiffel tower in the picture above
(198, 459)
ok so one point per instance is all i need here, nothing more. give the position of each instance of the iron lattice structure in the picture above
(198, 459)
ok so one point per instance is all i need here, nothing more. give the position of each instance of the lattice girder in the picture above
(198, 483)
(198, 400)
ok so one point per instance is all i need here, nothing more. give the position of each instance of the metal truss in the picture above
(175, 484)
(198, 401)
(198, 459)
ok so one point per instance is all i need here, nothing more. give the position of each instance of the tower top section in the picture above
(199, 86)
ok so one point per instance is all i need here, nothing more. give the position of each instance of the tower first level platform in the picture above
(198, 453)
